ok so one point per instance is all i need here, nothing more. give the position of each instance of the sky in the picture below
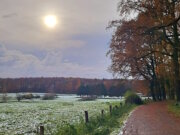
(75, 47)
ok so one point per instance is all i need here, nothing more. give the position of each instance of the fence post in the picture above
(41, 130)
(120, 104)
(86, 117)
(110, 109)
(37, 129)
(102, 113)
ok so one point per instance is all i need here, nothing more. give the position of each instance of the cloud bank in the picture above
(76, 47)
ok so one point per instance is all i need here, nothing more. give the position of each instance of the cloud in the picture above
(75, 47)
(9, 15)
(75, 17)
(17, 64)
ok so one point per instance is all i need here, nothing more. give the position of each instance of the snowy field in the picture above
(23, 118)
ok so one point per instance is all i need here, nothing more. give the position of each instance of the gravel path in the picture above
(152, 119)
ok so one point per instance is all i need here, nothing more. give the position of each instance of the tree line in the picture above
(146, 45)
(100, 90)
(64, 85)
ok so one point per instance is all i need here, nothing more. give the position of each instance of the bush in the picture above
(28, 96)
(147, 101)
(49, 96)
(4, 98)
(36, 96)
(132, 98)
(19, 97)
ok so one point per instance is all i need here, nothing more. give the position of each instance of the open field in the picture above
(24, 117)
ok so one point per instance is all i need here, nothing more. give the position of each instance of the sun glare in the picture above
(50, 21)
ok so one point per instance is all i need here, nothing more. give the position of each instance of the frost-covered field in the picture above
(23, 118)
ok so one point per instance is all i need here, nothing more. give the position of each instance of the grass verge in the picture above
(174, 108)
(101, 125)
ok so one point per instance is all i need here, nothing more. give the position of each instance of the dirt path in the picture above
(152, 119)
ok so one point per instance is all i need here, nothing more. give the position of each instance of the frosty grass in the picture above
(23, 118)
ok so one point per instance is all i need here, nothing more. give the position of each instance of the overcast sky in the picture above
(75, 47)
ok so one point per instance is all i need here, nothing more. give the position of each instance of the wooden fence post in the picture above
(102, 113)
(86, 117)
(37, 129)
(110, 109)
(41, 130)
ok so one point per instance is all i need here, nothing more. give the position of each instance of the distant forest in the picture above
(111, 87)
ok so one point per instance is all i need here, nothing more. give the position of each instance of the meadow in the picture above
(23, 118)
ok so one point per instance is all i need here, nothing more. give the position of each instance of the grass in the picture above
(147, 101)
(100, 125)
(174, 108)
(23, 118)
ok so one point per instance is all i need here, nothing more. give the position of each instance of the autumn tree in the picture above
(140, 45)
(131, 53)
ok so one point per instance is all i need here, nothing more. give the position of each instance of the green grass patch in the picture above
(100, 125)
(174, 108)
(147, 101)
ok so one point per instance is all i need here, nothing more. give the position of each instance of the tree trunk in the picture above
(163, 89)
(176, 62)
(172, 94)
(157, 89)
(170, 89)
(152, 90)
(164, 94)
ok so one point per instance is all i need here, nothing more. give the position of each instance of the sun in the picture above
(50, 21)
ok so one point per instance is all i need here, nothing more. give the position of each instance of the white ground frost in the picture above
(23, 118)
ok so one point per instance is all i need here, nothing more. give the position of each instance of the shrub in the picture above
(19, 97)
(132, 98)
(28, 96)
(147, 101)
(4, 98)
(49, 96)
(36, 96)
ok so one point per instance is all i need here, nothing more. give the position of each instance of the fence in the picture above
(41, 129)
